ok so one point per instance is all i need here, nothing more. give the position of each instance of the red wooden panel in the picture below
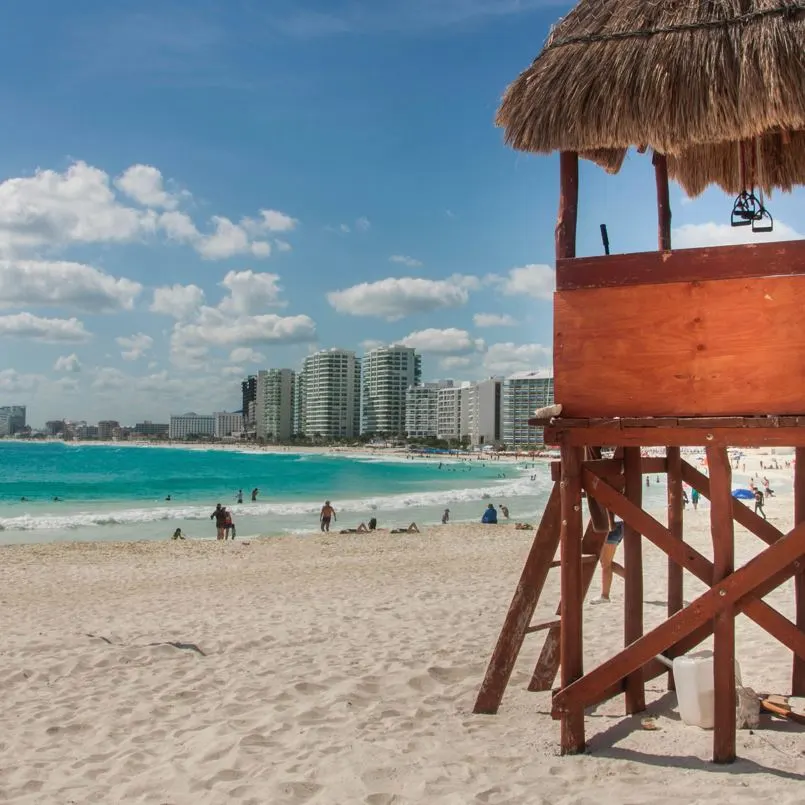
(718, 348)
(682, 265)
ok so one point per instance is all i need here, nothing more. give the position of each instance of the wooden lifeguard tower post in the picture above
(695, 347)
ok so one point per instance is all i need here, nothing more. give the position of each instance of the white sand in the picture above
(337, 670)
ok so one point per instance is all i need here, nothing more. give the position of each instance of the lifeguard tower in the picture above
(667, 348)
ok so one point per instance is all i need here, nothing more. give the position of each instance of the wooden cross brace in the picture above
(740, 591)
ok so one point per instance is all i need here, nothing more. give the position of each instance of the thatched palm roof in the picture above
(686, 78)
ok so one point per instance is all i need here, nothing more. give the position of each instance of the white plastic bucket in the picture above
(695, 689)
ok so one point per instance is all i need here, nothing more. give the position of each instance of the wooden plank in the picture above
(663, 202)
(609, 467)
(682, 265)
(721, 527)
(770, 565)
(571, 637)
(676, 529)
(543, 626)
(691, 560)
(565, 235)
(700, 422)
(681, 349)
(643, 522)
(679, 437)
(633, 566)
(798, 671)
(522, 608)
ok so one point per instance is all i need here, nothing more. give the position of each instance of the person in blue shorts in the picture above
(614, 538)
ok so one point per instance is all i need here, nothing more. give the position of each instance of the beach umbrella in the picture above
(716, 87)
(743, 494)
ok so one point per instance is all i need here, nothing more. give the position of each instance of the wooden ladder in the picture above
(541, 558)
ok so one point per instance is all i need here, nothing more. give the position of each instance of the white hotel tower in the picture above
(329, 389)
(386, 375)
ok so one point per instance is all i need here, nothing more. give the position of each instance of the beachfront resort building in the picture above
(274, 405)
(452, 412)
(329, 386)
(422, 409)
(484, 412)
(192, 426)
(227, 424)
(248, 392)
(523, 393)
(386, 375)
(12, 419)
(108, 429)
(151, 430)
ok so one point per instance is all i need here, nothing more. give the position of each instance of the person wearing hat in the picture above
(446, 517)
(327, 514)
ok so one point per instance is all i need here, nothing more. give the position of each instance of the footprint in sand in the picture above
(385, 799)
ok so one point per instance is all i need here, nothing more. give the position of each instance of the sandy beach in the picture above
(339, 669)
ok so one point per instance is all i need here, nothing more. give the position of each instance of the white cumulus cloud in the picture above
(508, 358)
(134, 346)
(36, 328)
(67, 363)
(275, 221)
(447, 341)
(245, 355)
(33, 283)
(453, 362)
(228, 240)
(179, 301)
(493, 320)
(144, 184)
(536, 280)
(689, 236)
(250, 292)
(396, 297)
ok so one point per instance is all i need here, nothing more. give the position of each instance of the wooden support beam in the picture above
(633, 566)
(548, 663)
(543, 626)
(642, 521)
(571, 638)
(676, 528)
(691, 560)
(682, 265)
(722, 530)
(663, 202)
(522, 607)
(676, 436)
(773, 566)
(568, 205)
(798, 672)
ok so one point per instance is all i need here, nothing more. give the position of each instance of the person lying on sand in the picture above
(412, 529)
(523, 526)
(363, 528)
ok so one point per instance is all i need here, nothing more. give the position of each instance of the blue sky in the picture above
(190, 191)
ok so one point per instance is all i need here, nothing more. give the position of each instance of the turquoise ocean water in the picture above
(111, 492)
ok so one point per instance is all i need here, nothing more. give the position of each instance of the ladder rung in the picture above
(586, 558)
(543, 625)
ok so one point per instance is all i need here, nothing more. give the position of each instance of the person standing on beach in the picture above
(759, 504)
(694, 498)
(255, 493)
(220, 521)
(229, 525)
(240, 496)
(614, 538)
(446, 517)
(504, 510)
(327, 514)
